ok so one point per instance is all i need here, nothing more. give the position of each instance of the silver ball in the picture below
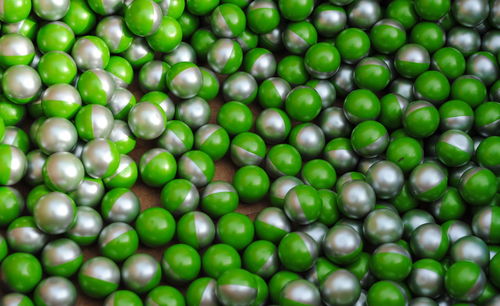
(16, 46)
(457, 230)
(87, 226)
(484, 66)
(422, 301)
(220, 52)
(56, 290)
(386, 179)
(413, 53)
(152, 75)
(194, 112)
(55, 213)
(186, 83)
(280, 187)
(293, 42)
(56, 135)
(100, 158)
(300, 292)
(51, 9)
(35, 159)
(343, 80)
(494, 18)
(309, 140)
(364, 13)
(122, 137)
(470, 13)
(63, 172)
(264, 67)
(24, 236)
(101, 121)
(65, 94)
(139, 270)
(340, 241)
(341, 288)
(426, 282)
(426, 177)
(342, 159)
(491, 41)
(481, 224)
(88, 55)
(333, 122)
(402, 87)
(120, 103)
(21, 83)
(240, 86)
(316, 231)
(326, 91)
(113, 29)
(330, 21)
(466, 40)
(59, 252)
(205, 228)
(138, 52)
(274, 217)
(427, 239)
(356, 199)
(15, 299)
(383, 226)
(183, 53)
(147, 120)
(101, 269)
(125, 208)
(471, 248)
(273, 125)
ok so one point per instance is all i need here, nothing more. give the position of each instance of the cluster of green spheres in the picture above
(250, 152)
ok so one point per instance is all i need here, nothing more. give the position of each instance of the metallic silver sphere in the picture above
(341, 288)
(56, 135)
(166, 104)
(329, 22)
(293, 42)
(309, 140)
(343, 80)
(483, 66)
(326, 91)
(36, 159)
(113, 30)
(466, 40)
(194, 112)
(470, 13)
(15, 299)
(316, 231)
(138, 52)
(274, 217)
(366, 163)
(120, 103)
(491, 41)
(422, 301)
(414, 218)
(152, 75)
(102, 269)
(386, 179)
(482, 223)
(342, 159)
(382, 226)
(87, 227)
(23, 236)
(264, 67)
(272, 39)
(60, 252)
(88, 55)
(205, 228)
(356, 199)
(413, 53)
(281, 87)
(56, 290)
(174, 143)
(220, 52)
(21, 84)
(100, 158)
(471, 248)
(364, 13)
(403, 88)
(55, 213)
(101, 122)
(147, 120)
(427, 177)
(300, 292)
(16, 46)
(125, 208)
(273, 125)
(51, 9)
(494, 18)
(426, 282)
(240, 86)
(340, 242)
(139, 271)
(457, 230)
(186, 83)
(183, 53)
(63, 172)
(122, 137)
(65, 94)
(280, 187)
(429, 241)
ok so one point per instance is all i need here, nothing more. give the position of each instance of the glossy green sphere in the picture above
(181, 263)
(319, 174)
(155, 227)
(296, 10)
(469, 89)
(236, 230)
(361, 105)
(421, 119)
(449, 61)
(387, 35)
(219, 258)
(429, 35)
(353, 44)
(235, 117)
(21, 272)
(406, 152)
(432, 86)
(303, 104)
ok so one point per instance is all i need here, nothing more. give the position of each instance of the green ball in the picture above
(353, 44)
(165, 295)
(97, 285)
(372, 73)
(206, 167)
(283, 159)
(252, 183)
(197, 290)
(125, 176)
(296, 10)
(420, 119)
(450, 206)
(201, 40)
(404, 201)
(454, 148)
(210, 84)
(177, 138)
(456, 114)
(487, 154)
(478, 186)
(495, 266)
(219, 198)
(247, 149)
(392, 107)
(469, 89)
(465, 281)
(485, 117)
(271, 224)
(157, 167)
(235, 117)
(303, 104)
(80, 17)
(228, 20)
(11, 205)
(179, 196)
(201, 7)
(57, 67)
(92, 90)
(278, 282)
(411, 60)
(195, 229)
(55, 36)
(429, 35)
(189, 23)
(449, 61)
(122, 246)
(11, 113)
(302, 30)
(181, 263)
(369, 138)
(422, 188)
(243, 280)
(402, 11)
(263, 16)
(21, 272)
(167, 37)
(229, 64)
(329, 211)
(406, 152)
(302, 204)
(141, 17)
(361, 105)
(123, 297)
(120, 69)
(388, 35)
(322, 60)
(432, 86)
(175, 8)
(155, 227)
(291, 68)
(219, 258)
(15, 10)
(319, 173)
(432, 9)
(248, 40)
(236, 230)
(386, 293)
(297, 252)
(261, 258)
(390, 262)
(213, 140)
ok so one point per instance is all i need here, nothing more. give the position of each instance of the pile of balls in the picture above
(371, 131)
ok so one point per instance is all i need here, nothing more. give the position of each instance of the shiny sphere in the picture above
(333, 123)
(14, 165)
(308, 139)
(470, 13)
(484, 66)
(36, 159)
(147, 120)
(16, 49)
(260, 63)
(356, 199)
(329, 19)
(386, 179)
(429, 241)
(382, 226)
(61, 100)
(300, 292)
(273, 92)
(94, 121)
(466, 40)
(456, 229)
(240, 86)
(63, 172)
(341, 288)
(87, 226)
(364, 13)
(428, 182)
(236, 287)
(55, 213)
(184, 80)
(51, 9)
(482, 223)
(470, 248)
(161, 99)
(141, 272)
(183, 53)
(55, 290)
(225, 56)
(122, 137)
(426, 278)
(21, 84)
(98, 277)
(280, 187)
(271, 224)
(342, 244)
(23, 235)
(120, 205)
(90, 52)
(194, 112)
(152, 76)
(100, 158)
(62, 257)
(273, 125)
(411, 60)
(56, 135)
(113, 30)
(138, 53)
(414, 218)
